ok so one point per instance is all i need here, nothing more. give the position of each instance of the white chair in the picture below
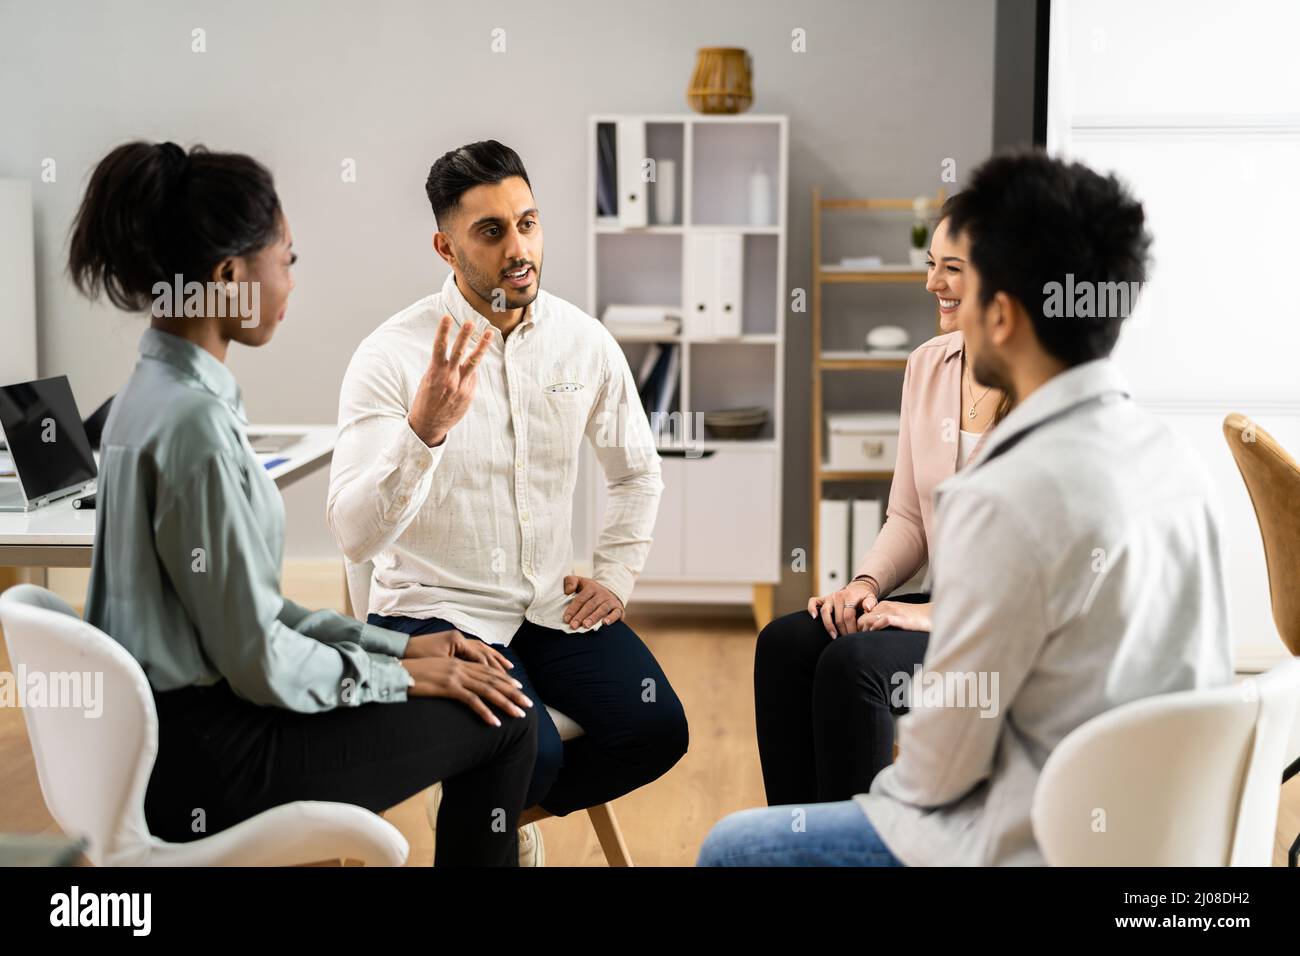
(1184, 779)
(93, 770)
(603, 821)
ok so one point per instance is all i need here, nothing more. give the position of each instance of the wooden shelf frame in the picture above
(822, 276)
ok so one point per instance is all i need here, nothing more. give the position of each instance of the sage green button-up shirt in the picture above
(189, 537)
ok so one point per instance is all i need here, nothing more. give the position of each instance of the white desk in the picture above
(61, 536)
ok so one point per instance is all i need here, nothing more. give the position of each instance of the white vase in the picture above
(665, 192)
(917, 258)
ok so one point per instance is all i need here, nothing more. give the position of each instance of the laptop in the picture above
(47, 442)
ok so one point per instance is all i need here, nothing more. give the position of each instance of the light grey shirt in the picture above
(189, 536)
(1078, 567)
(478, 530)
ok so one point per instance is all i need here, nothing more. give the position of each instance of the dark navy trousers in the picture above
(608, 681)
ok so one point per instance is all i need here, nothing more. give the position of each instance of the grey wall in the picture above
(886, 90)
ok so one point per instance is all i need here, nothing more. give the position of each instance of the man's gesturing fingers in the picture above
(458, 347)
(440, 340)
(480, 350)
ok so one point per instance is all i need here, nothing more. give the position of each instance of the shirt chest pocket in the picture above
(567, 396)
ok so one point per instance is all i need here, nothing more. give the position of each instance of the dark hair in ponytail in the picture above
(151, 212)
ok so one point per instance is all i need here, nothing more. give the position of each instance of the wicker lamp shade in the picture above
(722, 81)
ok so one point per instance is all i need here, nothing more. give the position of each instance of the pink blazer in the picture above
(928, 435)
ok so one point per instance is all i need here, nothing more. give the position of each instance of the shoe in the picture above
(532, 852)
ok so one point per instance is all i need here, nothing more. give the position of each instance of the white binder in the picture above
(866, 525)
(697, 315)
(715, 269)
(728, 253)
(833, 551)
(633, 192)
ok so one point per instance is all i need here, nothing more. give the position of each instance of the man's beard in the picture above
(991, 373)
(485, 287)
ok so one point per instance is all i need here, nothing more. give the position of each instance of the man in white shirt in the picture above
(460, 423)
(1079, 562)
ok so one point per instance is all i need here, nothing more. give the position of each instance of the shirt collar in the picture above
(1100, 378)
(956, 342)
(461, 311)
(196, 363)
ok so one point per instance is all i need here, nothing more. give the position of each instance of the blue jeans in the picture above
(820, 834)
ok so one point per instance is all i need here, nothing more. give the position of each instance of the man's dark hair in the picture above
(457, 172)
(1032, 221)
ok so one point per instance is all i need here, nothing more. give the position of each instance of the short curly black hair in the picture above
(1033, 221)
(460, 170)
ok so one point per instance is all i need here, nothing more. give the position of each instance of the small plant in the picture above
(920, 233)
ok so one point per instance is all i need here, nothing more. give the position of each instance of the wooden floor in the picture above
(710, 663)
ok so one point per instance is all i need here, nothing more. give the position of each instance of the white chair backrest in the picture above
(93, 760)
(1164, 781)
(1274, 747)
(358, 576)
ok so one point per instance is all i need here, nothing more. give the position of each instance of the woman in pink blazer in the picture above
(823, 676)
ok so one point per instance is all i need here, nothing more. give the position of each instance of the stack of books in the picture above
(643, 321)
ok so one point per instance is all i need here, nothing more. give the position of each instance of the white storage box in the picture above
(862, 441)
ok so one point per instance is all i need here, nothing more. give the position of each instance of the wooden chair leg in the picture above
(610, 836)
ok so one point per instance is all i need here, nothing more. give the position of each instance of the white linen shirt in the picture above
(478, 531)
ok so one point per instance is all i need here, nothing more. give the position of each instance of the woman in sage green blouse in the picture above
(260, 701)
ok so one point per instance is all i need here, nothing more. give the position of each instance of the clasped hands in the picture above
(857, 608)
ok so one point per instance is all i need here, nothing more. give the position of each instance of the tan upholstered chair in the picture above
(1273, 480)
(357, 580)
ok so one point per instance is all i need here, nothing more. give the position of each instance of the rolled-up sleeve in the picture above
(381, 470)
(212, 547)
(623, 444)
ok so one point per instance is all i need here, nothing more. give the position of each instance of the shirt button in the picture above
(524, 516)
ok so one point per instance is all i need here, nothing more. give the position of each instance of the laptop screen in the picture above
(45, 436)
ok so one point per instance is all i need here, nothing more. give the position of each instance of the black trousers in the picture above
(222, 760)
(822, 707)
(609, 682)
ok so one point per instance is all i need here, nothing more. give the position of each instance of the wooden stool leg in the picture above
(610, 836)
(532, 815)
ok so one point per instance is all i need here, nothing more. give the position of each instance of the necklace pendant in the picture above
(971, 413)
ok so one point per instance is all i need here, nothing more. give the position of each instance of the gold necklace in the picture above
(971, 392)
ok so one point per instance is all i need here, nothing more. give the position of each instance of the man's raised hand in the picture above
(447, 385)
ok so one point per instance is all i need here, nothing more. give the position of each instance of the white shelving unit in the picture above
(718, 535)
